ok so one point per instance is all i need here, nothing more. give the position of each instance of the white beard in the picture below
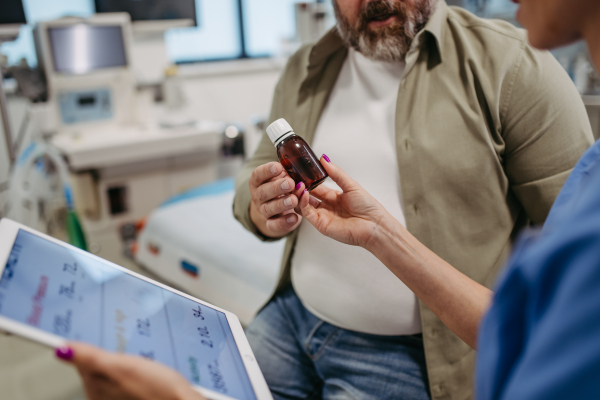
(390, 48)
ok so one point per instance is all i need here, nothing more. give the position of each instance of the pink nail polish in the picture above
(304, 191)
(64, 353)
(326, 158)
(298, 185)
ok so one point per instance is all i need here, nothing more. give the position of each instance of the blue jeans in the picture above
(303, 357)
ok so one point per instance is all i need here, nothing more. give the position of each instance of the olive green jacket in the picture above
(487, 131)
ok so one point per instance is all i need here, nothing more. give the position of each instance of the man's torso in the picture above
(346, 285)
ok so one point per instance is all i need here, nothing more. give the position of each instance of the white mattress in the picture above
(236, 271)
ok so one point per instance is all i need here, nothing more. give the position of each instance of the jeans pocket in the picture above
(319, 337)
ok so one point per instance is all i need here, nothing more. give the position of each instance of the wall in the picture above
(231, 91)
(238, 92)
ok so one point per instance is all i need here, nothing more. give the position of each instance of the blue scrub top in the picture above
(540, 340)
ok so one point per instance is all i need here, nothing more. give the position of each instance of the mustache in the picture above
(374, 9)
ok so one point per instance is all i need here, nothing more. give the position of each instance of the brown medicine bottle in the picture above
(296, 156)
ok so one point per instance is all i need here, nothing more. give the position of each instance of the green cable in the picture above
(76, 235)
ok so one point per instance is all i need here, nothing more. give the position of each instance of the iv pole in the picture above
(4, 113)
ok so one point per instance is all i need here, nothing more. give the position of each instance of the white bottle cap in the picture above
(278, 130)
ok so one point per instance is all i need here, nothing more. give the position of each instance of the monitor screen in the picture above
(11, 12)
(81, 48)
(150, 10)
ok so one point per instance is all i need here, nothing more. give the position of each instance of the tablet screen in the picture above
(79, 297)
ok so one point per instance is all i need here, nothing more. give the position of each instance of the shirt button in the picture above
(433, 332)
(438, 389)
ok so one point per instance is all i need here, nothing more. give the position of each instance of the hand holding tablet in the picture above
(117, 376)
(52, 293)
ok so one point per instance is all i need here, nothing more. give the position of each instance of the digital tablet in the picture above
(52, 292)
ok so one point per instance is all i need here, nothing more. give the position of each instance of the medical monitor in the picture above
(12, 16)
(151, 10)
(81, 48)
(87, 62)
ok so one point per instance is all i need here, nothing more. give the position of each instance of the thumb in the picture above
(338, 175)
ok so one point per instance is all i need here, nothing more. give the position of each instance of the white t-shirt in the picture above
(341, 284)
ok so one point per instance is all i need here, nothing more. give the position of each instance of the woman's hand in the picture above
(355, 217)
(119, 377)
(352, 217)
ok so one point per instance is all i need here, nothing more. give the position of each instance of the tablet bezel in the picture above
(8, 234)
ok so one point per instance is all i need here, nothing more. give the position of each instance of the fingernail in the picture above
(273, 169)
(304, 191)
(291, 219)
(285, 185)
(326, 158)
(64, 353)
(298, 185)
(288, 201)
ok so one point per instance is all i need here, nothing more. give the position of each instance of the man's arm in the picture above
(545, 129)
(265, 153)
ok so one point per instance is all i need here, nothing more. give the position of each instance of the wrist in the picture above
(387, 238)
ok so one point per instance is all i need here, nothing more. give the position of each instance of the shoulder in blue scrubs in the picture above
(540, 339)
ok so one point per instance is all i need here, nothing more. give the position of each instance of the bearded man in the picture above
(449, 121)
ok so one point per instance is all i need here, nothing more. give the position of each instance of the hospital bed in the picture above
(193, 242)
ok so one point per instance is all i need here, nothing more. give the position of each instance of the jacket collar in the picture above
(331, 43)
(436, 24)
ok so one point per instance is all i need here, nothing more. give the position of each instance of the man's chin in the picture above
(387, 49)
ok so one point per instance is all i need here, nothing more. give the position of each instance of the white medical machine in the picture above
(123, 163)
(86, 62)
(192, 241)
(52, 292)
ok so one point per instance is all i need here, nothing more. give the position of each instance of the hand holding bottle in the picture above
(272, 206)
(271, 184)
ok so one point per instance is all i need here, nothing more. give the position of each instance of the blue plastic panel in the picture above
(85, 106)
